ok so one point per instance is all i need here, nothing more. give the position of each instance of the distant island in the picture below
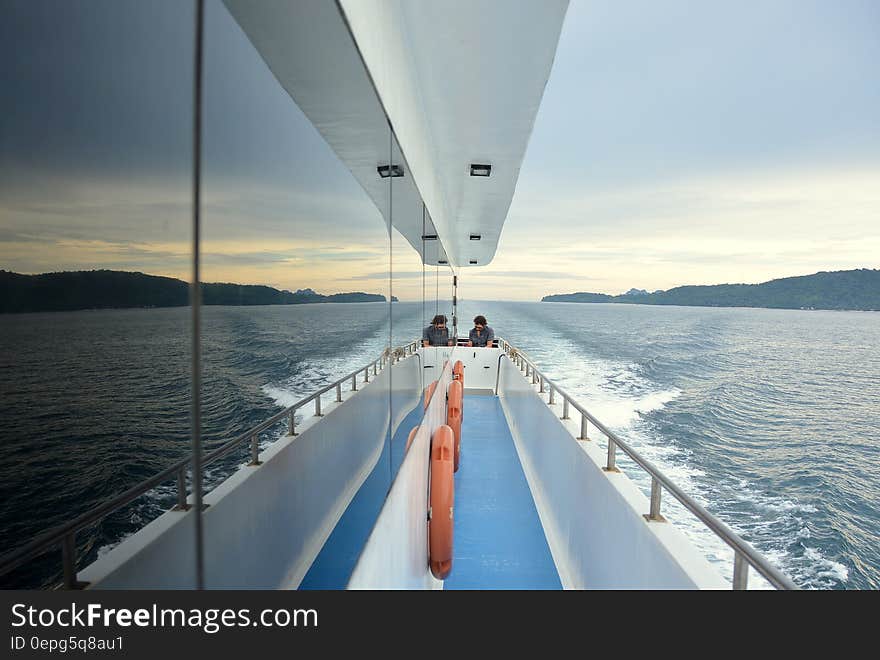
(842, 290)
(105, 289)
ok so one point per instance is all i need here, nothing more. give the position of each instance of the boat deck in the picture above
(334, 564)
(499, 539)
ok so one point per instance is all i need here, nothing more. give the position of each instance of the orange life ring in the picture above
(429, 390)
(458, 372)
(442, 502)
(453, 415)
(412, 436)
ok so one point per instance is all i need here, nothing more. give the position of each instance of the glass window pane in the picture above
(95, 246)
(296, 259)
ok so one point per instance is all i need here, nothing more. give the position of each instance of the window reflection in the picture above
(95, 231)
(299, 267)
(284, 213)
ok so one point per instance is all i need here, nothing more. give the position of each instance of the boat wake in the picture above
(626, 399)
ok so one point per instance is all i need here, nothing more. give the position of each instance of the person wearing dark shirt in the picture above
(482, 334)
(436, 334)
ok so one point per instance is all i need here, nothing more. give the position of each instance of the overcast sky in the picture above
(699, 143)
(677, 143)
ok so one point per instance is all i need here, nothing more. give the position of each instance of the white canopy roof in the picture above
(459, 80)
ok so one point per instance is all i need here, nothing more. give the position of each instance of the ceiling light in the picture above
(389, 170)
(480, 170)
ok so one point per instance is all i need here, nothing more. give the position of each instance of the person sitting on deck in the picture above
(482, 334)
(436, 334)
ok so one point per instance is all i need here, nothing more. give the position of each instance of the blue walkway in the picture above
(499, 542)
(334, 564)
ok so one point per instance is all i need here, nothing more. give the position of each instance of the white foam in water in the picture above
(618, 394)
(312, 375)
(788, 527)
(771, 503)
(826, 568)
(775, 518)
(283, 396)
(104, 549)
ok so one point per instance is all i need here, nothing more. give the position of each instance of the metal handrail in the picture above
(64, 534)
(744, 554)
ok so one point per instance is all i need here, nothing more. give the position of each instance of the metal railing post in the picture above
(68, 559)
(610, 466)
(367, 375)
(338, 392)
(655, 500)
(318, 406)
(291, 423)
(354, 384)
(181, 490)
(552, 395)
(584, 428)
(542, 384)
(565, 405)
(255, 448)
(740, 573)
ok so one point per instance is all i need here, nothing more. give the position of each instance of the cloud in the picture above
(251, 258)
(384, 275)
(12, 236)
(526, 274)
(65, 254)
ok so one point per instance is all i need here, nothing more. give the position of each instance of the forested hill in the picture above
(844, 289)
(100, 289)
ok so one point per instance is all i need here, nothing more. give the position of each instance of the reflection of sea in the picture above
(766, 417)
(96, 401)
